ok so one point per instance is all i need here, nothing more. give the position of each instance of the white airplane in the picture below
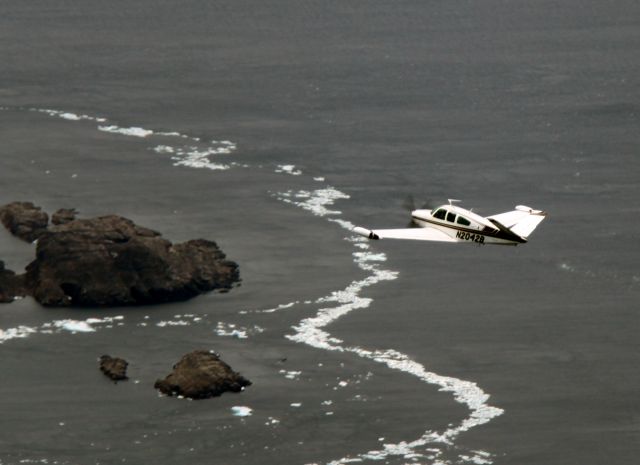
(451, 223)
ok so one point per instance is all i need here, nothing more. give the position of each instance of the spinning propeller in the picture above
(410, 205)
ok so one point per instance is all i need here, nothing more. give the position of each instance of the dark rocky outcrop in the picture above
(200, 375)
(64, 215)
(111, 261)
(24, 220)
(114, 367)
(11, 285)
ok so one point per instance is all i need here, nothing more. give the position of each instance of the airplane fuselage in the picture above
(465, 226)
(451, 223)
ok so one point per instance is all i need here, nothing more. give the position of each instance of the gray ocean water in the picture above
(272, 128)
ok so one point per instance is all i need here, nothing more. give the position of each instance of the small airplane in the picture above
(451, 223)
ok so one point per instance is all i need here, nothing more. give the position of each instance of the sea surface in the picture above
(274, 128)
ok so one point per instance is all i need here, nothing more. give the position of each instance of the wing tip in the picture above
(531, 211)
(366, 233)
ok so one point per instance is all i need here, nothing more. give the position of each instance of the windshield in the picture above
(440, 214)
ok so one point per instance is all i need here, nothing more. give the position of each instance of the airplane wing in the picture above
(418, 234)
(522, 221)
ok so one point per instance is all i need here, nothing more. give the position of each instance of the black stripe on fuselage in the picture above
(504, 234)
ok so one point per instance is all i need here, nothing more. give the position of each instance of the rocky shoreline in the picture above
(108, 261)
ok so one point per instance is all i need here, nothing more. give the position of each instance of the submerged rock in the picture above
(114, 367)
(24, 220)
(111, 261)
(200, 375)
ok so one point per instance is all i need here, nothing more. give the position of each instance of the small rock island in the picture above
(114, 368)
(108, 261)
(199, 375)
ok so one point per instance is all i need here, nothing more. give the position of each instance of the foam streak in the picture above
(311, 331)
(58, 326)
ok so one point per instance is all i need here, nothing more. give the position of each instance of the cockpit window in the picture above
(463, 221)
(440, 214)
(451, 217)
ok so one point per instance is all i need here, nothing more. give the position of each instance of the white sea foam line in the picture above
(176, 134)
(288, 169)
(57, 326)
(315, 201)
(93, 324)
(131, 131)
(291, 374)
(272, 310)
(163, 149)
(241, 411)
(68, 115)
(190, 156)
(164, 323)
(178, 320)
(15, 333)
(309, 332)
(233, 330)
(112, 128)
(479, 458)
(193, 157)
(74, 326)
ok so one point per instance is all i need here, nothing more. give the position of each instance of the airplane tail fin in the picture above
(521, 221)
(526, 226)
